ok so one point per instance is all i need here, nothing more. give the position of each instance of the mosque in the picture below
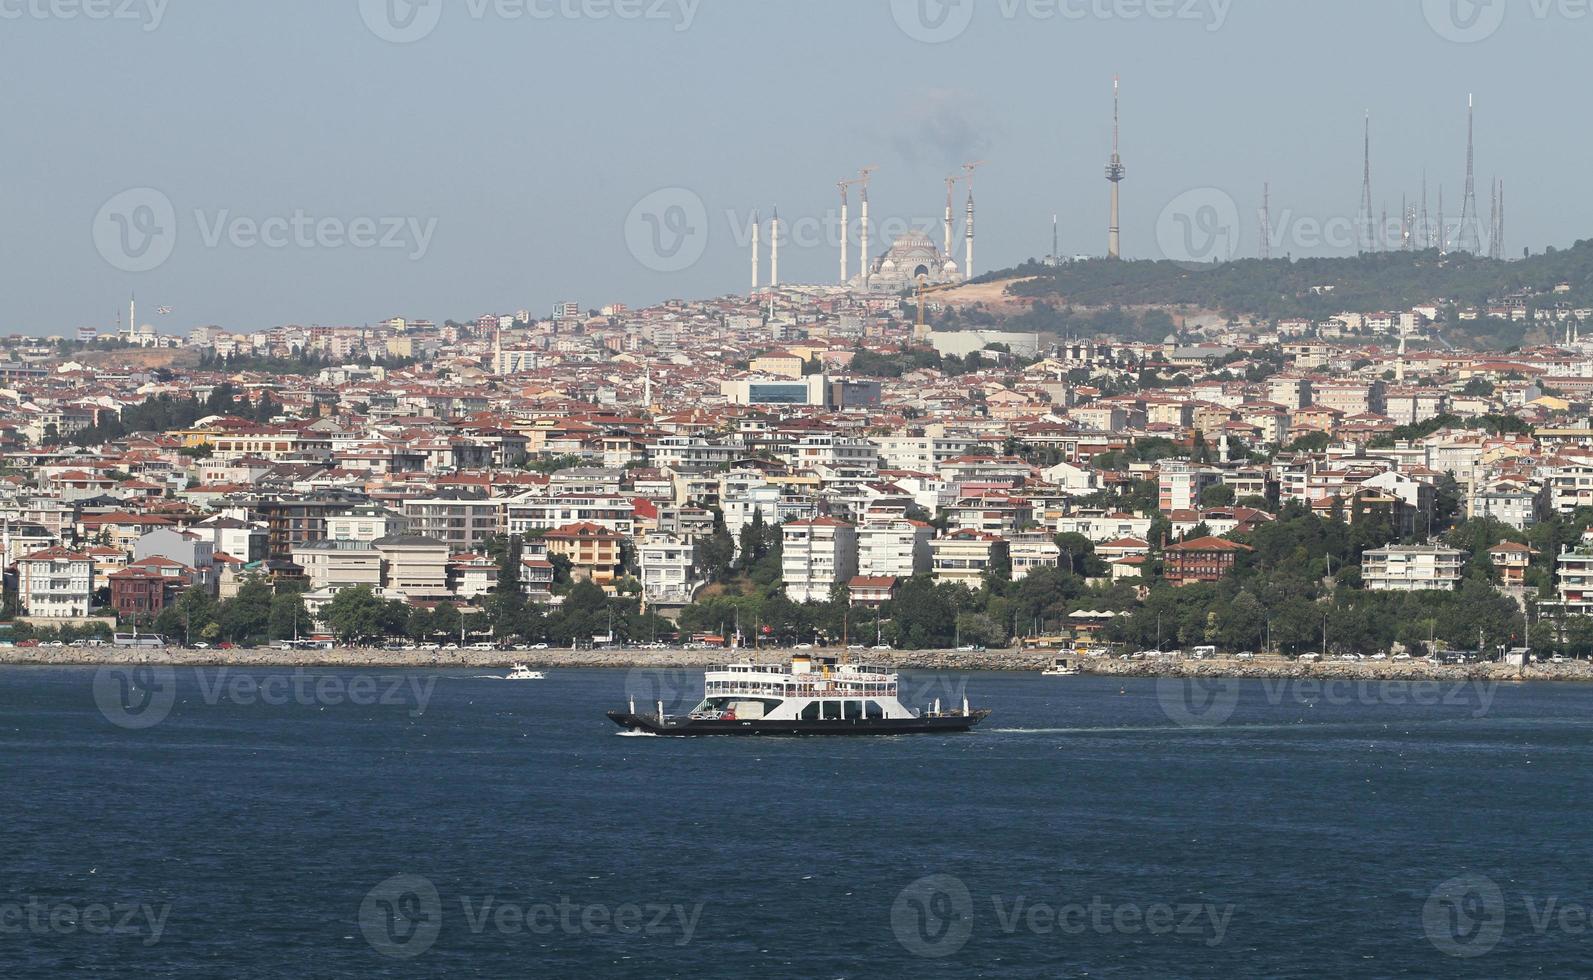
(910, 258)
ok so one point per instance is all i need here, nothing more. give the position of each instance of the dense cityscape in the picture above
(815, 465)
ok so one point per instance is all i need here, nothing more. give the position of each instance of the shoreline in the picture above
(922, 660)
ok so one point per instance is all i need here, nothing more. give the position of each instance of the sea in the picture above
(172, 822)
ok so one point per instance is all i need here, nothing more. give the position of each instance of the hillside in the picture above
(1314, 288)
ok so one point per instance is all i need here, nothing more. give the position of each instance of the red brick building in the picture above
(1201, 560)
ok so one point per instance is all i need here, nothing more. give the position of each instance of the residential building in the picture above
(1412, 568)
(893, 548)
(818, 555)
(1201, 560)
(670, 573)
(594, 552)
(56, 583)
(963, 557)
(414, 566)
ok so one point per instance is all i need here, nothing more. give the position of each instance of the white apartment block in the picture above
(338, 565)
(1420, 568)
(897, 548)
(56, 583)
(670, 573)
(534, 512)
(818, 554)
(1030, 551)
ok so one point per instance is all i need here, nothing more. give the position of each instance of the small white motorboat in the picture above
(1060, 668)
(523, 673)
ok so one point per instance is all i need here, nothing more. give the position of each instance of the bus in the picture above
(139, 641)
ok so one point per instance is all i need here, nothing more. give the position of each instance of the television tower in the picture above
(1368, 243)
(1467, 238)
(1266, 222)
(1115, 173)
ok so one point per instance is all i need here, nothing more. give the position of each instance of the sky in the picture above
(339, 162)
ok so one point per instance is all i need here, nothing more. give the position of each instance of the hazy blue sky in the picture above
(503, 152)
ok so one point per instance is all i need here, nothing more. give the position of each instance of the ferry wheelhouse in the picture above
(806, 697)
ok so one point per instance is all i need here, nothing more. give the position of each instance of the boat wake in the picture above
(631, 733)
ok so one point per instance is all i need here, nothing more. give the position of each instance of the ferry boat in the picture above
(806, 698)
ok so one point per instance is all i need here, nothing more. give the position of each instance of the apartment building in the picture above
(1413, 568)
(818, 554)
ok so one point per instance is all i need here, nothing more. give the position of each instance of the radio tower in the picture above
(1115, 173)
(1466, 236)
(1443, 232)
(1425, 229)
(1266, 222)
(1496, 249)
(1367, 242)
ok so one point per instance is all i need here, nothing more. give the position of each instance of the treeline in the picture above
(1291, 288)
(306, 362)
(165, 412)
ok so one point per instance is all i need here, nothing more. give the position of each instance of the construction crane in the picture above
(921, 329)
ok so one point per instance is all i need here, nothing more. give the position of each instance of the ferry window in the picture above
(832, 711)
(853, 710)
(810, 711)
(874, 711)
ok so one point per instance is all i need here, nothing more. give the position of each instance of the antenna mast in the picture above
(1115, 173)
(1367, 241)
(1266, 221)
(1467, 235)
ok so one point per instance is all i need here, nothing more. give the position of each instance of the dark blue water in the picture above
(506, 830)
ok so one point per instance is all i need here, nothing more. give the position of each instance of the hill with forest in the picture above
(1138, 300)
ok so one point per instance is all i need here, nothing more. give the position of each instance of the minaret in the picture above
(1399, 369)
(951, 188)
(774, 251)
(757, 246)
(1467, 239)
(1056, 241)
(1115, 173)
(868, 260)
(132, 316)
(967, 268)
(846, 221)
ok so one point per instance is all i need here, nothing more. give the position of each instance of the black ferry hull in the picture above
(686, 727)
